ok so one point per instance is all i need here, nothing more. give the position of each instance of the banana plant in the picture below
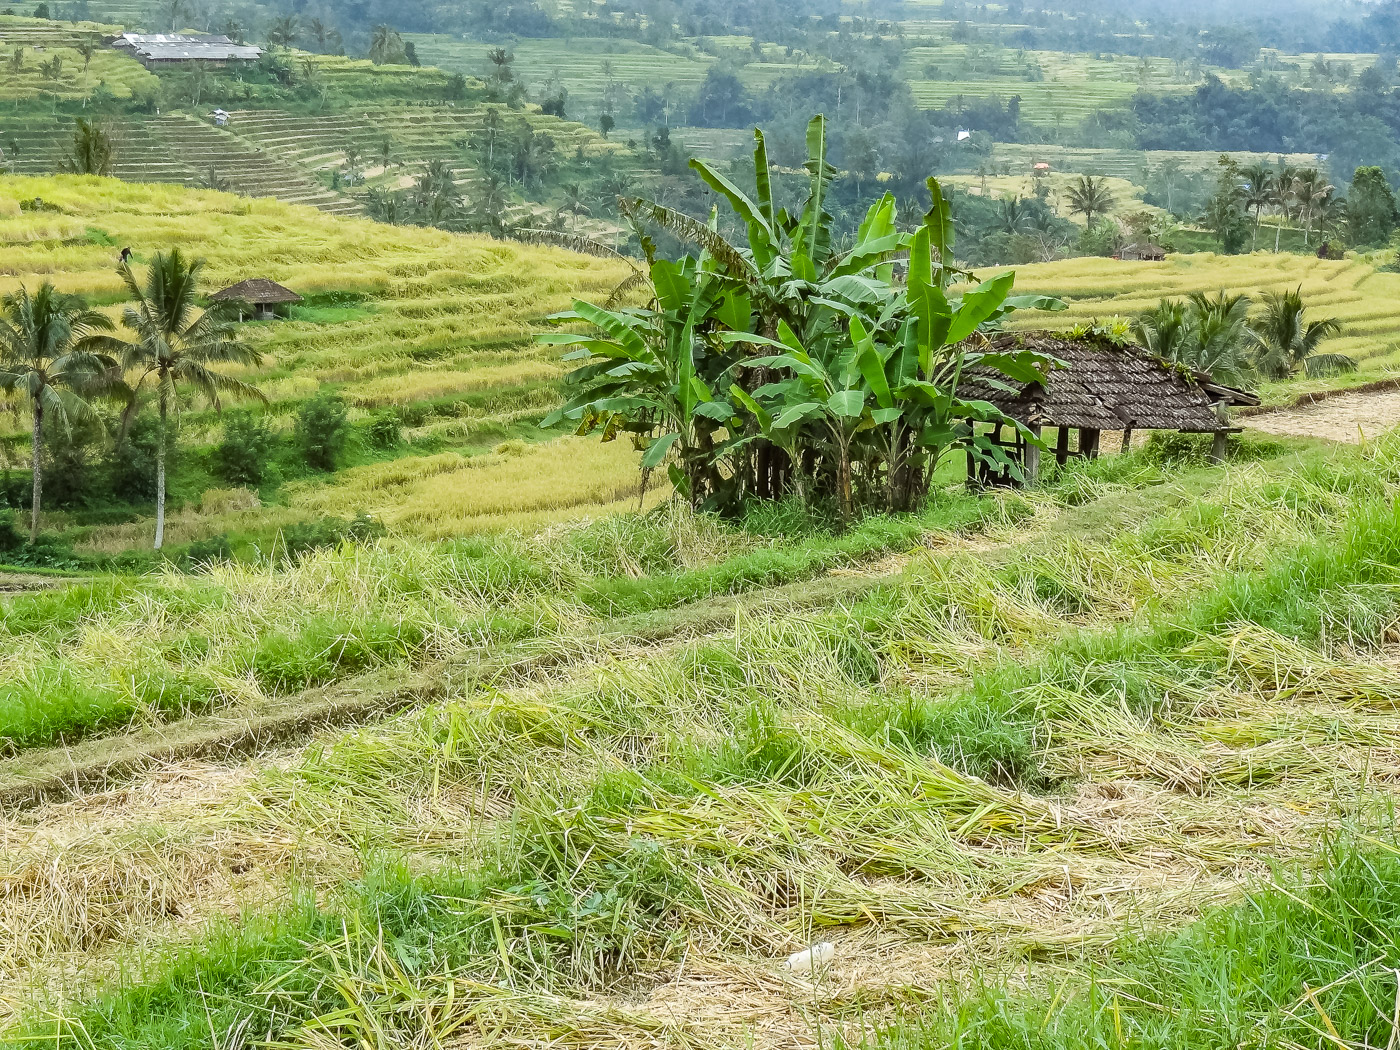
(827, 391)
(642, 369)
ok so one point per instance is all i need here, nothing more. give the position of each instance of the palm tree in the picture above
(1205, 334)
(283, 31)
(1258, 194)
(1165, 331)
(1312, 192)
(575, 202)
(1089, 197)
(174, 344)
(1285, 199)
(1011, 215)
(44, 352)
(1220, 338)
(1286, 342)
(93, 150)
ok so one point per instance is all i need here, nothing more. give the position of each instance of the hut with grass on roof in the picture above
(258, 299)
(1095, 384)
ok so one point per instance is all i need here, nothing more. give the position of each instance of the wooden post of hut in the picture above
(1089, 442)
(1030, 458)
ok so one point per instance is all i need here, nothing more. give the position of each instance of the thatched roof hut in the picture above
(1145, 251)
(1100, 386)
(262, 295)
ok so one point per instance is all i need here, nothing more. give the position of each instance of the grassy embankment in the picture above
(1061, 756)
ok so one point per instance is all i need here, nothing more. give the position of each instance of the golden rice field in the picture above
(1127, 195)
(1353, 291)
(447, 317)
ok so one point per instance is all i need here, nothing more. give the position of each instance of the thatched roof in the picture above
(259, 291)
(1104, 386)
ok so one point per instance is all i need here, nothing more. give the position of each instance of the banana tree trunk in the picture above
(38, 463)
(843, 481)
(160, 473)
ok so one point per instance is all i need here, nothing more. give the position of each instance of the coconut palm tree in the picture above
(1220, 340)
(1312, 192)
(1287, 343)
(178, 344)
(1205, 333)
(93, 149)
(1285, 199)
(1090, 196)
(1259, 189)
(44, 353)
(1011, 215)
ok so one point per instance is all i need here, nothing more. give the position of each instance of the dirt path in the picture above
(1354, 417)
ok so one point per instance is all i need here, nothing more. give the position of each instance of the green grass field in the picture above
(1108, 760)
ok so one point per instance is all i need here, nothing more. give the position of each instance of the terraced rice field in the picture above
(1127, 196)
(1018, 158)
(586, 66)
(1364, 299)
(414, 134)
(42, 41)
(446, 323)
(583, 66)
(177, 148)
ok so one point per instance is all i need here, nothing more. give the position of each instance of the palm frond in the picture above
(687, 229)
(637, 280)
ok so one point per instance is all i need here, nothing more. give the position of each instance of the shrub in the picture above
(245, 454)
(203, 553)
(385, 430)
(323, 431)
(304, 537)
(131, 465)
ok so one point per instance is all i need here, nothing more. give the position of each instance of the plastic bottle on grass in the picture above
(808, 960)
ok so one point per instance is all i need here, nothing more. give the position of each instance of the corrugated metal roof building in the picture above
(152, 49)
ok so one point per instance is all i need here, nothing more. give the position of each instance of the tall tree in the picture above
(44, 354)
(176, 343)
(386, 46)
(1372, 214)
(1259, 188)
(1090, 197)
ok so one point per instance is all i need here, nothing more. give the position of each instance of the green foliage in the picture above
(385, 430)
(322, 432)
(94, 150)
(785, 364)
(1287, 343)
(1227, 980)
(245, 455)
(1372, 212)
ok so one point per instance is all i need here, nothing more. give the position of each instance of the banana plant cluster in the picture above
(784, 366)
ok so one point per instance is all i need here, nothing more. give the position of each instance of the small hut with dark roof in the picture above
(1100, 385)
(1145, 251)
(260, 296)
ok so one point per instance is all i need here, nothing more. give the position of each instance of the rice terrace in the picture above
(692, 525)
